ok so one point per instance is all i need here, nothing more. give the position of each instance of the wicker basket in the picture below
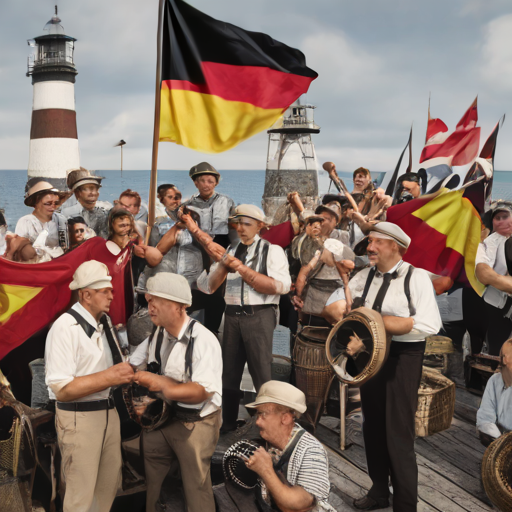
(497, 472)
(436, 403)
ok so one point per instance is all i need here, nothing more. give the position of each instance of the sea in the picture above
(244, 187)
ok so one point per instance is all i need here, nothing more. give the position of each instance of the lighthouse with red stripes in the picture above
(53, 134)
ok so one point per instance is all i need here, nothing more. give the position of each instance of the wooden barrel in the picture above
(313, 374)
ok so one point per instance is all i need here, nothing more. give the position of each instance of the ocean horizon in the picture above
(248, 190)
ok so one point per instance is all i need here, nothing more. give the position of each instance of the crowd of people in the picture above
(216, 278)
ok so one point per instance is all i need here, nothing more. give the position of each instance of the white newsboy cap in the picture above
(391, 231)
(248, 210)
(169, 286)
(91, 274)
(281, 393)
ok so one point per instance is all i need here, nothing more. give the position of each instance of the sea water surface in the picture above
(244, 187)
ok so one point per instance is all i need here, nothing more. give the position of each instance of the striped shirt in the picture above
(308, 468)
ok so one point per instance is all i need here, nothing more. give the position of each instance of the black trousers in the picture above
(499, 328)
(213, 306)
(474, 314)
(389, 402)
(248, 338)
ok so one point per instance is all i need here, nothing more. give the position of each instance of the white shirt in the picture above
(42, 235)
(206, 363)
(496, 408)
(427, 320)
(492, 252)
(71, 353)
(277, 268)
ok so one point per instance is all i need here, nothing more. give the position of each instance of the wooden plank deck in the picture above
(449, 462)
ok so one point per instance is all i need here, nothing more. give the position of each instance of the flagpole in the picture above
(156, 126)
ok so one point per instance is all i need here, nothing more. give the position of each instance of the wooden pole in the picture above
(121, 159)
(343, 403)
(156, 126)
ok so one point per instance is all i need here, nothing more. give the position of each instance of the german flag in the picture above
(445, 232)
(33, 295)
(222, 84)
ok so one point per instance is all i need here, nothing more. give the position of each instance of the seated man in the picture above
(189, 375)
(494, 417)
(292, 453)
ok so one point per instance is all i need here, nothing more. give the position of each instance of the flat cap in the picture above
(281, 393)
(91, 274)
(203, 168)
(169, 286)
(391, 231)
(248, 210)
(501, 206)
(333, 209)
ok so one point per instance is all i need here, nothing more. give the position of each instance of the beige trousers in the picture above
(192, 444)
(90, 446)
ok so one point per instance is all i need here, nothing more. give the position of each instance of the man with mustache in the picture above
(405, 298)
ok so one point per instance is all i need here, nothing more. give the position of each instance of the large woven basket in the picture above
(436, 403)
(497, 472)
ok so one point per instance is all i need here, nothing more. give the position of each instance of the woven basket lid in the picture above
(497, 472)
(369, 326)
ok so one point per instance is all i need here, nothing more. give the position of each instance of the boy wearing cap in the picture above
(406, 300)
(87, 190)
(188, 373)
(83, 364)
(213, 208)
(256, 274)
(291, 453)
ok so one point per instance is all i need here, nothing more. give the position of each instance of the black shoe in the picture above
(369, 503)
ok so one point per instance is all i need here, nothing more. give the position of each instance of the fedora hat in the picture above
(77, 177)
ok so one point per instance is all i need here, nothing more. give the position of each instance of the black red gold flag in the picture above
(222, 84)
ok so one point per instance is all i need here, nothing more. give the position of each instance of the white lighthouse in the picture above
(291, 162)
(53, 135)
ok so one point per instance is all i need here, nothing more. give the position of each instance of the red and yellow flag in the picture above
(33, 295)
(222, 84)
(445, 232)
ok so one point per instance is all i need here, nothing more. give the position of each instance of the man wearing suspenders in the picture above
(187, 361)
(83, 363)
(406, 300)
(256, 274)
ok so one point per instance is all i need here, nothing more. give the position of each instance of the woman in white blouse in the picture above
(43, 226)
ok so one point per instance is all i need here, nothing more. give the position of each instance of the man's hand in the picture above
(149, 380)
(121, 373)
(260, 462)
(138, 250)
(355, 345)
(230, 262)
(297, 302)
(295, 202)
(187, 220)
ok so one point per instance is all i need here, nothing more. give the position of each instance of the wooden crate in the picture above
(436, 403)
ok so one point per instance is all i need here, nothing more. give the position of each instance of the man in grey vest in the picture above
(256, 274)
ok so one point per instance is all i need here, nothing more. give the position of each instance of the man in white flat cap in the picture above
(83, 364)
(256, 274)
(188, 373)
(294, 470)
(405, 298)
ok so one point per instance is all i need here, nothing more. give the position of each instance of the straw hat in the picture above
(281, 393)
(35, 190)
(78, 177)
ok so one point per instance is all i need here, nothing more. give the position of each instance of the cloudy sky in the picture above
(377, 63)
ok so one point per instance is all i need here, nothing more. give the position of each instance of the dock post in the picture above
(343, 403)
